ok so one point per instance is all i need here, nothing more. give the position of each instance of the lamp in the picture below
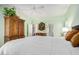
(65, 29)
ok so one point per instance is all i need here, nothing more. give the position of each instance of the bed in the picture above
(39, 45)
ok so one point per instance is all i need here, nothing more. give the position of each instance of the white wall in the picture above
(1, 30)
(76, 18)
(71, 16)
(56, 22)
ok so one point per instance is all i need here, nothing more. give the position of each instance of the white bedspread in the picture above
(39, 45)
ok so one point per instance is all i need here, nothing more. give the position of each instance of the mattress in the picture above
(39, 45)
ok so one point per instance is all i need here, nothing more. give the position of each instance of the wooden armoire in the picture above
(14, 28)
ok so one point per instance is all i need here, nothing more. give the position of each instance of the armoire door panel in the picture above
(21, 28)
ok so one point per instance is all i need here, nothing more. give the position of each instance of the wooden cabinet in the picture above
(14, 28)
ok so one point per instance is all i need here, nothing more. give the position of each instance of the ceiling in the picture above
(39, 10)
